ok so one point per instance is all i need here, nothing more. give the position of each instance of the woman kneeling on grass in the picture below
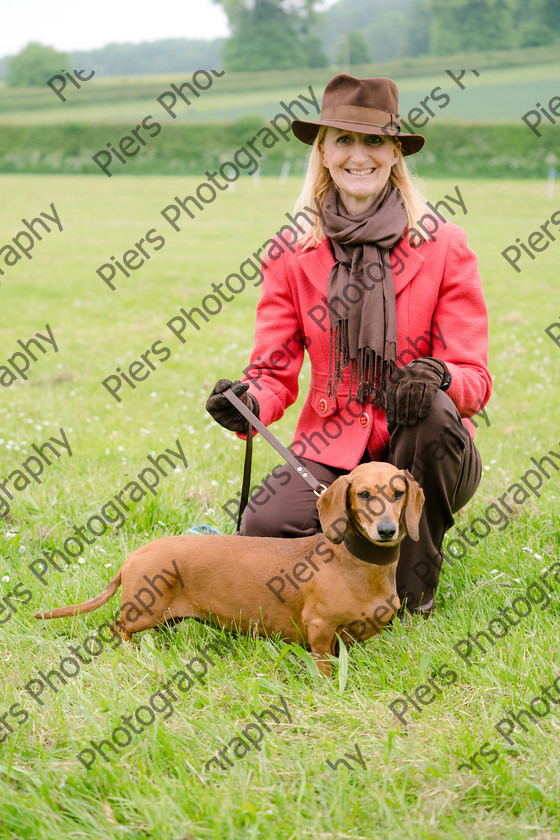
(386, 297)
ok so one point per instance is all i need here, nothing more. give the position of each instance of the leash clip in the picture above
(319, 489)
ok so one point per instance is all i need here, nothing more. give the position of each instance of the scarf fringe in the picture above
(369, 372)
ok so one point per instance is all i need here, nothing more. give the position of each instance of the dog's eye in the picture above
(364, 494)
(399, 494)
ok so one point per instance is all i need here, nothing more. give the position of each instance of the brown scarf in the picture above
(363, 322)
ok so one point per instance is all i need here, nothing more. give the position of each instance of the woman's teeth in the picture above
(360, 171)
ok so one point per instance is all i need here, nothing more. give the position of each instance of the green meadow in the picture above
(503, 93)
(408, 782)
(470, 108)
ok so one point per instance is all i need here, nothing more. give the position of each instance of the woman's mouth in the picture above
(360, 172)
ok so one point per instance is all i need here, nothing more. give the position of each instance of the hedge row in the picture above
(494, 151)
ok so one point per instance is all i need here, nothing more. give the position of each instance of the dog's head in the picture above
(376, 500)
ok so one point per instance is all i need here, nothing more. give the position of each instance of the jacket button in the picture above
(364, 420)
(323, 406)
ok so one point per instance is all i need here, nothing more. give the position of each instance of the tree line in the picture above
(290, 34)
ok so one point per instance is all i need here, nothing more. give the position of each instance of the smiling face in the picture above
(359, 164)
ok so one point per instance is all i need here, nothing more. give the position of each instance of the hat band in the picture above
(364, 116)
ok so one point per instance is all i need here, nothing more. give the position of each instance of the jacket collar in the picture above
(407, 262)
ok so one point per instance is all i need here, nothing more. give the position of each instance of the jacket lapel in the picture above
(316, 264)
(406, 262)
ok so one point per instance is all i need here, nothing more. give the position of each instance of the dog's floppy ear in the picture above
(413, 510)
(331, 506)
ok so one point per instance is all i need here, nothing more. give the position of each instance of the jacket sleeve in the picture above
(278, 350)
(462, 318)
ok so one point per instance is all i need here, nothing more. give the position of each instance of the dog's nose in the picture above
(387, 530)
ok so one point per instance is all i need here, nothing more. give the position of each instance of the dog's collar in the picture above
(367, 551)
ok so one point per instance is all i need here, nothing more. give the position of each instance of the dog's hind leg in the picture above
(119, 631)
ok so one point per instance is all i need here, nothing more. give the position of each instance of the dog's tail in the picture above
(86, 606)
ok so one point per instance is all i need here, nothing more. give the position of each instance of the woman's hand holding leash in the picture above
(223, 412)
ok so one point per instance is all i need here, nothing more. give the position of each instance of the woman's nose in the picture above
(360, 152)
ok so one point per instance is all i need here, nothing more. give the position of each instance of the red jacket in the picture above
(440, 312)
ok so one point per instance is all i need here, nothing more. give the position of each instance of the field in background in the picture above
(156, 787)
(473, 126)
(504, 92)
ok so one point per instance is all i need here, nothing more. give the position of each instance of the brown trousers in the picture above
(441, 456)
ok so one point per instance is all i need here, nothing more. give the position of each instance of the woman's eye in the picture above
(374, 139)
(399, 494)
(342, 140)
(364, 494)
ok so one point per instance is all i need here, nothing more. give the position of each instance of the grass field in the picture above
(503, 93)
(156, 787)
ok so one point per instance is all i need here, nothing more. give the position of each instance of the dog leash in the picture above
(254, 422)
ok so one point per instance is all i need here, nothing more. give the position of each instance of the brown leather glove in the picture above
(224, 412)
(412, 388)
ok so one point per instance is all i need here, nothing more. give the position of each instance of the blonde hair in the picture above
(318, 180)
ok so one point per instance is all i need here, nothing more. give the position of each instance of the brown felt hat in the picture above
(369, 106)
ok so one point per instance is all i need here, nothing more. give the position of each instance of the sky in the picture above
(72, 25)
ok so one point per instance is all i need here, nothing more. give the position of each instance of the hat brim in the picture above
(307, 131)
